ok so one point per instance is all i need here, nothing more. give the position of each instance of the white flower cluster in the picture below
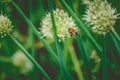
(101, 16)
(22, 62)
(63, 23)
(5, 26)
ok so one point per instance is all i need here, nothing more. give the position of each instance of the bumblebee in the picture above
(73, 32)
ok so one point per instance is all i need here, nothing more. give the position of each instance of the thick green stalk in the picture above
(115, 34)
(81, 48)
(31, 35)
(81, 25)
(59, 46)
(75, 61)
(30, 8)
(30, 57)
(47, 46)
(41, 6)
(115, 65)
(104, 62)
(86, 63)
(6, 47)
(117, 45)
(70, 3)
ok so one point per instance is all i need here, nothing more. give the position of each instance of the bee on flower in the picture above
(73, 31)
(65, 25)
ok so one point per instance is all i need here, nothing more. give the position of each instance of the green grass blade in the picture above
(6, 47)
(117, 45)
(30, 42)
(31, 35)
(116, 34)
(75, 61)
(41, 4)
(30, 8)
(70, 3)
(81, 25)
(47, 46)
(104, 62)
(86, 63)
(30, 57)
(115, 66)
(59, 46)
(81, 48)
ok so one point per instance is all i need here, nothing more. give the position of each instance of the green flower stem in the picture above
(59, 45)
(30, 8)
(30, 57)
(81, 48)
(104, 61)
(47, 46)
(70, 3)
(75, 61)
(115, 65)
(41, 7)
(115, 34)
(6, 47)
(31, 36)
(30, 42)
(117, 45)
(86, 62)
(81, 25)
